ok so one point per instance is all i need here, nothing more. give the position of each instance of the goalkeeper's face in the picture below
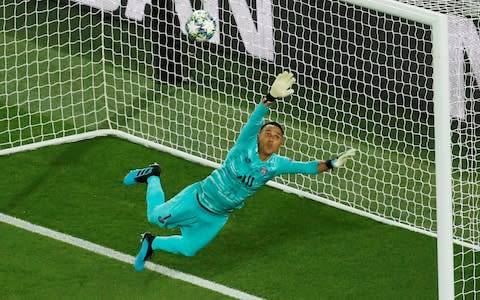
(269, 140)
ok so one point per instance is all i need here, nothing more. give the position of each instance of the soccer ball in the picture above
(201, 26)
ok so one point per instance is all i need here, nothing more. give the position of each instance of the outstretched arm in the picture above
(251, 128)
(336, 162)
(287, 166)
(281, 87)
(322, 166)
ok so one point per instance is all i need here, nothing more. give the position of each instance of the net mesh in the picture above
(364, 80)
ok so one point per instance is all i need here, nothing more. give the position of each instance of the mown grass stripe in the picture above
(124, 257)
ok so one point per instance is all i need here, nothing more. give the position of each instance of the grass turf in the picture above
(279, 246)
(40, 268)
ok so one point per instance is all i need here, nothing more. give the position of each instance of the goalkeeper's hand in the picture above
(281, 87)
(341, 159)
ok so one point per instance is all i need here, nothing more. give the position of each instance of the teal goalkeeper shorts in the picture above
(198, 226)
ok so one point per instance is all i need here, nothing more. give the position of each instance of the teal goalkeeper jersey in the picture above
(243, 172)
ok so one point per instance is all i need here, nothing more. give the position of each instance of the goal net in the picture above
(365, 79)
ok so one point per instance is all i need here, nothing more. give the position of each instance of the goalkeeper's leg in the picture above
(155, 197)
(197, 225)
(193, 238)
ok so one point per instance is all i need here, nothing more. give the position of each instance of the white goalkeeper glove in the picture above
(281, 87)
(341, 159)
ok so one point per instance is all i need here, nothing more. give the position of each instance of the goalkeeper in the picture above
(202, 209)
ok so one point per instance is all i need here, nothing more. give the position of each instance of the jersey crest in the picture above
(263, 170)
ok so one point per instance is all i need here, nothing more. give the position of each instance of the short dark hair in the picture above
(274, 124)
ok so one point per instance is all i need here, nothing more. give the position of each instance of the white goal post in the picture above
(441, 99)
(395, 79)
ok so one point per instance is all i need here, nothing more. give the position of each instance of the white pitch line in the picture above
(125, 258)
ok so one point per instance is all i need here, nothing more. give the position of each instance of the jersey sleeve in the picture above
(253, 125)
(288, 166)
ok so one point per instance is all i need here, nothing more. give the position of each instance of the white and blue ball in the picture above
(201, 26)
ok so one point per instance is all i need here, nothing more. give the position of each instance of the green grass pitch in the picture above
(279, 246)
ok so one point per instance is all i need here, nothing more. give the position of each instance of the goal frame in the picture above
(443, 155)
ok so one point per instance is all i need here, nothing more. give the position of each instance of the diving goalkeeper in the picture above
(202, 209)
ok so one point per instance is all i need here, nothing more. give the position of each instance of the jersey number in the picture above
(247, 180)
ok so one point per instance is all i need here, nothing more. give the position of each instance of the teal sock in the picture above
(171, 244)
(155, 194)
